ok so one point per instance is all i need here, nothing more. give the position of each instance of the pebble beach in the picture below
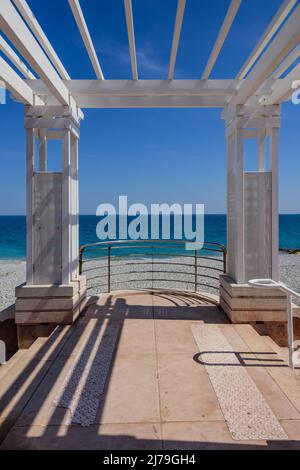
(12, 274)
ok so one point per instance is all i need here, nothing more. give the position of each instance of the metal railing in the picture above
(290, 294)
(162, 261)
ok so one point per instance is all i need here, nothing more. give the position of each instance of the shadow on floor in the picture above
(31, 382)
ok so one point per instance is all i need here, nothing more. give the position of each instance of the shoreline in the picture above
(12, 274)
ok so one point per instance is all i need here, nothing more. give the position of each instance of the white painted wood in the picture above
(82, 26)
(282, 89)
(20, 36)
(239, 175)
(16, 85)
(42, 38)
(274, 135)
(15, 59)
(257, 225)
(75, 208)
(47, 228)
(262, 150)
(225, 28)
(42, 150)
(176, 36)
(286, 39)
(151, 88)
(66, 208)
(288, 61)
(272, 29)
(131, 40)
(231, 216)
(30, 169)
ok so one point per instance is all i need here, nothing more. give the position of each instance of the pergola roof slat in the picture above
(82, 26)
(17, 85)
(41, 36)
(131, 40)
(15, 59)
(282, 89)
(285, 41)
(288, 61)
(273, 27)
(14, 27)
(176, 36)
(225, 28)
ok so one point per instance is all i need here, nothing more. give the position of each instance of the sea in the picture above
(13, 229)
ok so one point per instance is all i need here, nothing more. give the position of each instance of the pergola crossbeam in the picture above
(285, 41)
(17, 85)
(282, 89)
(176, 37)
(225, 28)
(272, 29)
(21, 37)
(41, 36)
(131, 40)
(289, 60)
(15, 59)
(86, 37)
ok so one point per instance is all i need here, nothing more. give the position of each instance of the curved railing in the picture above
(151, 264)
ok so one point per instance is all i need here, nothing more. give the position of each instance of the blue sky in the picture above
(163, 155)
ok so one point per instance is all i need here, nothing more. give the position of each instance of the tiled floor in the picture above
(157, 394)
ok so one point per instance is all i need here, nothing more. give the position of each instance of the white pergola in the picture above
(53, 110)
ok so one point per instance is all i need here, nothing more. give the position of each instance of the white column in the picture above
(239, 176)
(66, 208)
(75, 207)
(275, 203)
(30, 169)
(231, 218)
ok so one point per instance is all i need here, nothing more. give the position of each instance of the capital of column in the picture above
(249, 118)
(53, 117)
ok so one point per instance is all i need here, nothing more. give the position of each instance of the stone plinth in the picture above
(47, 305)
(244, 304)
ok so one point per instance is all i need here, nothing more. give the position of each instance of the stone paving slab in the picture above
(157, 395)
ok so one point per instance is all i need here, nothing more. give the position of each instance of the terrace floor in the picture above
(155, 393)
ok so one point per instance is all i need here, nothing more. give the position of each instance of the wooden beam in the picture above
(130, 32)
(145, 93)
(288, 61)
(272, 29)
(231, 14)
(82, 26)
(16, 85)
(153, 102)
(15, 59)
(41, 37)
(287, 38)
(115, 88)
(282, 89)
(20, 36)
(176, 36)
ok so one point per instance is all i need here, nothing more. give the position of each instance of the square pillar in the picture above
(252, 217)
(54, 293)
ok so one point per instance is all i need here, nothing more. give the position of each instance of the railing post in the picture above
(290, 326)
(152, 266)
(108, 268)
(224, 260)
(196, 271)
(80, 261)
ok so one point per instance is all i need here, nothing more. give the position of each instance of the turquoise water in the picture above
(12, 232)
